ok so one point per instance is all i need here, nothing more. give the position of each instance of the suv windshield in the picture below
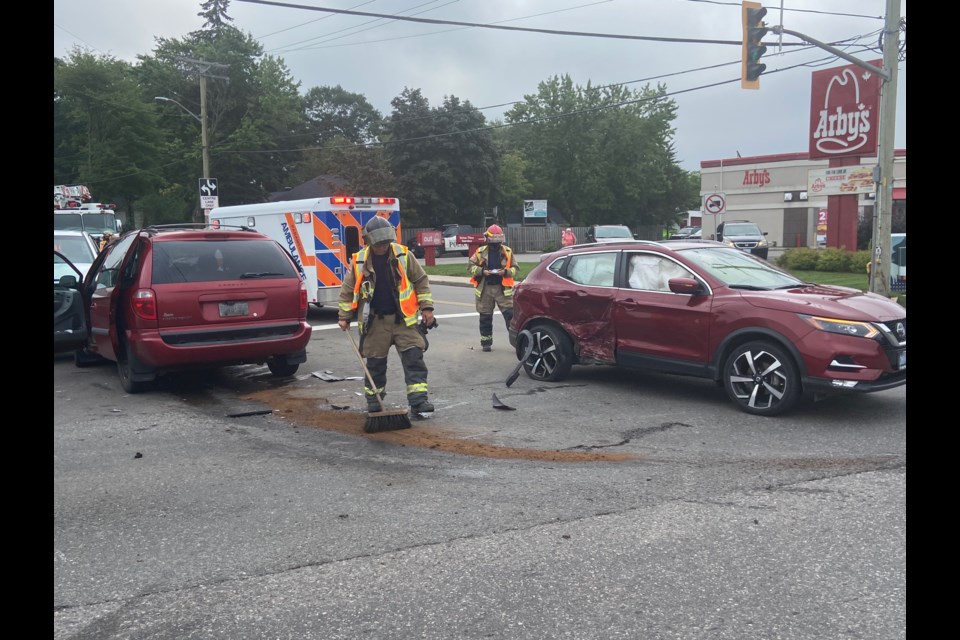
(614, 232)
(740, 270)
(199, 261)
(741, 229)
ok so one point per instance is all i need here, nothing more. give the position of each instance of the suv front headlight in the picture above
(844, 327)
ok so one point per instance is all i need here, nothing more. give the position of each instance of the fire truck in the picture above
(321, 234)
(73, 209)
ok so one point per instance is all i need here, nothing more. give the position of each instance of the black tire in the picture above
(761, 378)
(281, 368)
(552, 355)
(125, 362)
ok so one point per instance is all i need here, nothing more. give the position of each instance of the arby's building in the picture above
(813, 198)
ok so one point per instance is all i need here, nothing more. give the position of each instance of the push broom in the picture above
(382, 420)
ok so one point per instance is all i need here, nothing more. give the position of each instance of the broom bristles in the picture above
(386, 421)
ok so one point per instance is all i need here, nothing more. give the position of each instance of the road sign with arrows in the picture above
(209, 194)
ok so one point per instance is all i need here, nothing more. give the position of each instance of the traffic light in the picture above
(754, 30)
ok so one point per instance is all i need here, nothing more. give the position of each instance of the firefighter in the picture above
(387, 289)
(492, 271)
(106, 239)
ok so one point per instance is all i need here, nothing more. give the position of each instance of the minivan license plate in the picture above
(228, 309)
(902, 359)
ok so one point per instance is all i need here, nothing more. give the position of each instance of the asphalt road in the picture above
(613, 505)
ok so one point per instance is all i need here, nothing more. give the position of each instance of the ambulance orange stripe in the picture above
(306, 257)
(324, 240)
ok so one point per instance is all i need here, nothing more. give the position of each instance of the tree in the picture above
(106, 137)
(444, 159)
(363, 168)
(331, 112)
(254, 122)
(514, 186)
(602, 154)
(215, 14)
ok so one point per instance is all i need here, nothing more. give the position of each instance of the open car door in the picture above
(69, 322)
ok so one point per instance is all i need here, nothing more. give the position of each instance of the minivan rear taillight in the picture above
(145, 304)
(303, 298)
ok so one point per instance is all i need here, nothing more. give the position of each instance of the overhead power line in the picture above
(556, 32)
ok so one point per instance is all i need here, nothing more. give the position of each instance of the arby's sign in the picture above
(845, 111)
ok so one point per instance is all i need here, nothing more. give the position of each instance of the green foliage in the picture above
(444, 178)
(514, 186)
(364, 169)
(169, 206)
(105, 136)
(799, 259)
(857, 262)
(332, 112)
(835, 260)
(612, 162)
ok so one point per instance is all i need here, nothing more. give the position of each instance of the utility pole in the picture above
(205, 142)
(883, 213)
(204, 69)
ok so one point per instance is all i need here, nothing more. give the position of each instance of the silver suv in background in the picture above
(743, 235)
(608, 233)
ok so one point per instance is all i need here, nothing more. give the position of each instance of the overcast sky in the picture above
(379, 57)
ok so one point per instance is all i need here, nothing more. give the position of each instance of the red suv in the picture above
(708, 310)
(165, 299)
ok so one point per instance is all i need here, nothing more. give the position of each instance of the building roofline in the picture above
(779, 157)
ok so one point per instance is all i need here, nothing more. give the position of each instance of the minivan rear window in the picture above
(204, 261)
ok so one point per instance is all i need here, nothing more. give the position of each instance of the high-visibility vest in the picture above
(507, 279)
(409, 304)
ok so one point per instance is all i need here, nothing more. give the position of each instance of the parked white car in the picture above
(78, 247)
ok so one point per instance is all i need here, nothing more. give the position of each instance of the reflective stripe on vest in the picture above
(409, 304)
(507, 280)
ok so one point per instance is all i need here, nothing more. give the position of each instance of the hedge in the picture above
(804, 259)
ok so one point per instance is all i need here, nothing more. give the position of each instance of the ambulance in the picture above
(321, 234)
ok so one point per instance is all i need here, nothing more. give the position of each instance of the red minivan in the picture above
(168, 298)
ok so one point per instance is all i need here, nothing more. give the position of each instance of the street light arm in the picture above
(195, 116)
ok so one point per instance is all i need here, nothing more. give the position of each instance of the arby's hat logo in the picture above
(844, 112)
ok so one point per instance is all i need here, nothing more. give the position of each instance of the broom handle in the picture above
(373, 385)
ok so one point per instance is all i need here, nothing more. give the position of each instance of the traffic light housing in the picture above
(754, 30)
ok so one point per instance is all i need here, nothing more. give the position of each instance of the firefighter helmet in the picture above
(379, 229)
(494, 234)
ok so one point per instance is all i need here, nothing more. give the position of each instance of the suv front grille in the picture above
(895, 334)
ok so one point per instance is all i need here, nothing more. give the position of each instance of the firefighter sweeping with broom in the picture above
(387, 289)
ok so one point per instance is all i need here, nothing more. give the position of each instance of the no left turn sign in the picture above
(715, 203)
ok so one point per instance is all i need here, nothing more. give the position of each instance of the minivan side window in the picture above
(108, 275)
